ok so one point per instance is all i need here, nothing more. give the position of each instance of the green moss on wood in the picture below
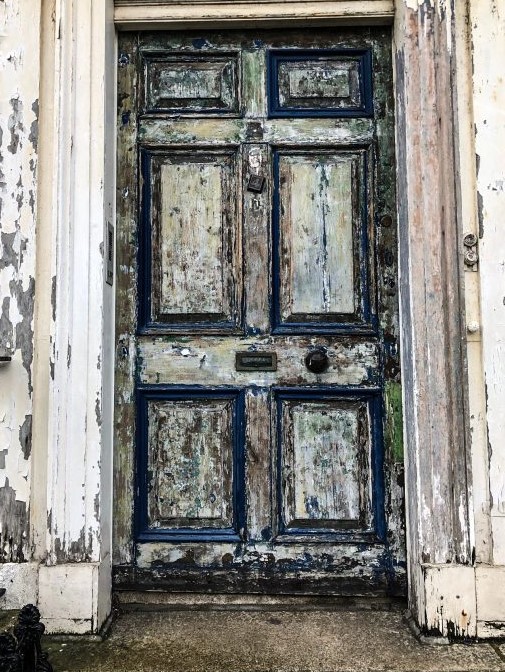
(394, 420)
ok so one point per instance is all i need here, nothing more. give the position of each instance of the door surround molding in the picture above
(149, 14)
(74, 353)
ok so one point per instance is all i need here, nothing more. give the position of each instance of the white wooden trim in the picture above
(75, 341)
(488, 42)
(481, 532)
(184, 13)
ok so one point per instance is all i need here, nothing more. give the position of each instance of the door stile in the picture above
(257, 245)
(258, 464)
(126, 301)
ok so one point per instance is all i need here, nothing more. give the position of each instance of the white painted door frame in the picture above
(74, 349)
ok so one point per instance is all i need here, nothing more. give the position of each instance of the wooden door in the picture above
(258, 418)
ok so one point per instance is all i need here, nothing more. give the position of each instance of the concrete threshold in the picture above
(160, 600)
(265, 635)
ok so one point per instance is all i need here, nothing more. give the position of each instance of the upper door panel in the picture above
(320, 251)
(320, 83)
(190, 246)
(191, 84)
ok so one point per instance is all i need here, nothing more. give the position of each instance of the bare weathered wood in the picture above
(324, 474)
(318, 228)
(210, 132)
(258, 463)
(195, 244)
(126, 297)
(190, 460)
(429, 235)
(254, 83)
(191, 84)
(329, 83)
(191, 239)
(257, 209)
(349, 569)
(208, 361)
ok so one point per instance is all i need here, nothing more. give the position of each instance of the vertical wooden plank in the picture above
(254, 83)
(429, 235)
(383, 236)
(258, 464)
(257, 240)
(126, 299)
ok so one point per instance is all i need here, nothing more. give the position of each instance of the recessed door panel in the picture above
(320, 83)
(192, 252)
(191, 84)
(320, 224)
(327, 446)
(190, 470)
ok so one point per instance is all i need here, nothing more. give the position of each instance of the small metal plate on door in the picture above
(256, 184)
(256, 361)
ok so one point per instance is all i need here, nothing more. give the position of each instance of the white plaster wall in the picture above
(488, 41)
(19, 87)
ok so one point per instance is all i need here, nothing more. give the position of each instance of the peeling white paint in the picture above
(19, 84)
(487, 19)
(450, 601)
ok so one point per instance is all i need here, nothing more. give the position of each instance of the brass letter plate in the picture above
(256, 361)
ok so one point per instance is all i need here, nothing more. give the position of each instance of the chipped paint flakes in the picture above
(18, 193)
(487, 19)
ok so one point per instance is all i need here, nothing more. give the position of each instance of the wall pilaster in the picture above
(438, 520)
(75, 333)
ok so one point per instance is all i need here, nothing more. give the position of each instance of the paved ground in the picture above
(278, 639)
(276, 636)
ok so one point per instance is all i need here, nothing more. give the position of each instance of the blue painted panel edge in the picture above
(189, 535)
(145, 393)
(144, 240)
(274, 56)
(145, 324)
(374, 398)
(337, 328)
(212, 328)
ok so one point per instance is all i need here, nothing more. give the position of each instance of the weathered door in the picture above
(258, 446)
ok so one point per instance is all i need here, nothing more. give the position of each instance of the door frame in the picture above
(80, 140)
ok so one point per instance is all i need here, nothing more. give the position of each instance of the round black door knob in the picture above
(317, 361)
